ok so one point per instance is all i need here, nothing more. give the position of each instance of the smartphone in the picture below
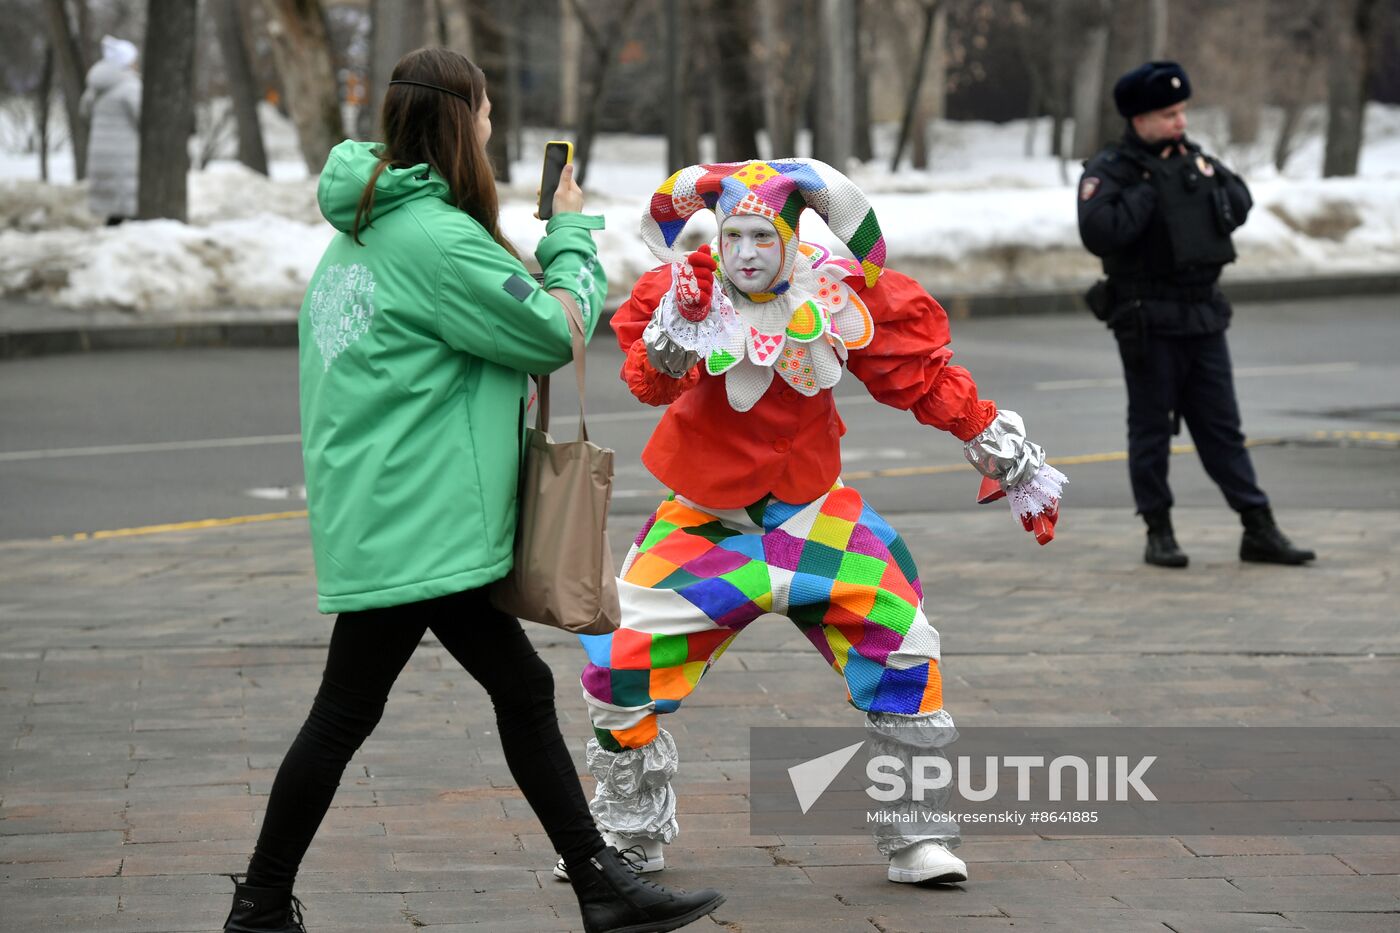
(557, 154)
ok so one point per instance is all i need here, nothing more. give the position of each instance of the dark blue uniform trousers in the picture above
(1188, 378)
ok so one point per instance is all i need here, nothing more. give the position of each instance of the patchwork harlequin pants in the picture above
(695, 578)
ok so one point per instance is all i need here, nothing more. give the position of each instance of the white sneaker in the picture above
(641, 854)
(929, 862)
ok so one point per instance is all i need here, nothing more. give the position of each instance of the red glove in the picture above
(1042, 525)
(695, 284)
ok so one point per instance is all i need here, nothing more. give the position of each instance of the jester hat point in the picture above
(776, 190)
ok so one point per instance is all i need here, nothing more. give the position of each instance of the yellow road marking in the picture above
(181, 526)
(1113, 456)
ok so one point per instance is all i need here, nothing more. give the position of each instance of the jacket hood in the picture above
(347, 171)
(105, 75)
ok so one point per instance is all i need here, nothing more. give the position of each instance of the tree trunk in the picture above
(834, 115)
(167, 109)
(600, 40)
(493, 58)
(243, 88)
(1157, 35)
(862, 145)
(913, 99)
(571, 63)
(72, 75)
(933, 99)
(395, 27)
(1348, 79)
(302, 51)
(1125, 48)
(727, 24)
(1089, 80)
(1059, 80)
(779, 110)
(681, 137)
(41, 110)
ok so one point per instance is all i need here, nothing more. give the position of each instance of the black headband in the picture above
(435, 88)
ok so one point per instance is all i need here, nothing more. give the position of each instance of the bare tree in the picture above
(243, 88)
(302, 51)
(571, 62)
(913, 123)
(834, 114)
(1088, 82)
(1302, 35)
(601, 37)
(784, 31)
(734, 112)
(396, 27)
(682, 125)
(43, 104)
(167, 109)
(72, 75)
(1349, 63)
(494, 59)
(1157, 33)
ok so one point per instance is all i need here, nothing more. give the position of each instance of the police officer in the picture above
(1159, 212)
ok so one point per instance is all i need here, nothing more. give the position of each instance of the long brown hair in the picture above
(422, 124)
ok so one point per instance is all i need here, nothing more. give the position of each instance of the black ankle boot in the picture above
(1263, 543)
(263, 910)
(613, 900)
(1162, 550)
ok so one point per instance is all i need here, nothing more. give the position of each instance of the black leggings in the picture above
(368, 649)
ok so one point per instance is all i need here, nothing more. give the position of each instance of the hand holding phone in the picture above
(559, 193)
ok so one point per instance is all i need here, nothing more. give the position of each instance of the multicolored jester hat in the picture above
(777, 191)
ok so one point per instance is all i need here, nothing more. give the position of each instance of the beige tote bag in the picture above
(563, 574)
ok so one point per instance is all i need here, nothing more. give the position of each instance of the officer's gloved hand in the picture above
(1002, 452)
(664, 354)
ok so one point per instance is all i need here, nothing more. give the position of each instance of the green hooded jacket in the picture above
(414, 354)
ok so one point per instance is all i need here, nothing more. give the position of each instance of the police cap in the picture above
(1151, 86)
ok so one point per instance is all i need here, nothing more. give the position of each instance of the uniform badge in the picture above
(1204, 165)
(1087, 187)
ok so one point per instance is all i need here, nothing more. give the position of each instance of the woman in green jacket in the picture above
(417, 332)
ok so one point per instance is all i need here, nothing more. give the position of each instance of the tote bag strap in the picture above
(575, 319)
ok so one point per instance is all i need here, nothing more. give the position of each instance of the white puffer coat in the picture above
(112, 102)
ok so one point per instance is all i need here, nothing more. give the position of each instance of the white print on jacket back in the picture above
(342, 308)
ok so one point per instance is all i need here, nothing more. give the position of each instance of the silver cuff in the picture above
(634, 795)
(1002, 452)
(904, 737)
(664, 354)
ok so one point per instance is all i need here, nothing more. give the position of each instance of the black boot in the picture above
(1263, 543)
(263, 910)
(613, 900)
(1162, 550)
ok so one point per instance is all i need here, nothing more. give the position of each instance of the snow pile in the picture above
(984, 217)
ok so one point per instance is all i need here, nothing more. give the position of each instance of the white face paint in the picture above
(751, 252)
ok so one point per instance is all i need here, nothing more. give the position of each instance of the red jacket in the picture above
(789, 444)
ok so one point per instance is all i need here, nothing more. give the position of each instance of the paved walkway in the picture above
(149, 685)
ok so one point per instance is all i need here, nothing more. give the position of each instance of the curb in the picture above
(272, 332)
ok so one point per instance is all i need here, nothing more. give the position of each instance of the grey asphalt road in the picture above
(124, 440)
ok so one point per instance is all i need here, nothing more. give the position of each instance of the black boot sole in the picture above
(675, 923)
(1169, 563)
(1272, 557)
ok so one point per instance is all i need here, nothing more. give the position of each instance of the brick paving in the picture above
(149, 686)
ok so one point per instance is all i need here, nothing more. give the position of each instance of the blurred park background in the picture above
(964, 119)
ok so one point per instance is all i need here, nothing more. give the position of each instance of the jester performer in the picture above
(759, 526)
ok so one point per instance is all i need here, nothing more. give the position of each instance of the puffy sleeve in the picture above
(907, 363)
(643, 380)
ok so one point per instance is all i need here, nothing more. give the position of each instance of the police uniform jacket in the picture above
(1162, 228)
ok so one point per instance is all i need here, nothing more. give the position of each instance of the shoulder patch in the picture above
(517, 287)
(1088, 186)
